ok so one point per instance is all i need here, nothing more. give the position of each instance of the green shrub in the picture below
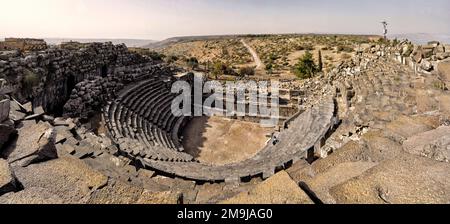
(220, 68)
(343, 48)
(155, 55)
(172, 58)
(320, 64)
(247, 71)
(192, 62)
(305, 68)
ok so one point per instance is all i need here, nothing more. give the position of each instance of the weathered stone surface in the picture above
(68, 178)
(405, 127)
(7, 178)
(15, 112)
(347, 162)
(208, 191)
(116, 193)
(279, 189)
(433, 144)
(32, 195)
(298, 170)
(35, 143)
(444, 70)
(63, 122)
(321, 183)
(39, 111)
(380, 148)
(4, 109)
(28, 107)
(179, 185)
(402, 180)
(65, 149)
(166, 197)
(350, 152)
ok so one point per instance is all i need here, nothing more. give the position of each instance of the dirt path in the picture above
(258, 62)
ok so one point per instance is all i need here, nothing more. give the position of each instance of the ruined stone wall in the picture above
(421, 58)
(90, 95)
(47, 77)
(23, 44)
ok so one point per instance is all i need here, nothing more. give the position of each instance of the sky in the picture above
(160, 19)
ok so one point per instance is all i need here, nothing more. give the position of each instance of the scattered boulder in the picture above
(38, 112)
(321, 183)
(7, 178)
(442, 56)
(426, 65)
(35, 143)
(440, 48)
(433, 144)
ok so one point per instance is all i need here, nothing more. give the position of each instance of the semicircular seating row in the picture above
(304, 133)
(141, 122)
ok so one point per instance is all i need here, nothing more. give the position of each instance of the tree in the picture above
(320, 64)
(155, 55)
(192, 62)
(216, 69)
(305, 68)
(171, 59)
(246, 71)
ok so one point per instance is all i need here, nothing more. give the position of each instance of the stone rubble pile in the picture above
(90, 95)
(47, 77)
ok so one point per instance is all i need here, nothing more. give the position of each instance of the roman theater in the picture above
(93, 123)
